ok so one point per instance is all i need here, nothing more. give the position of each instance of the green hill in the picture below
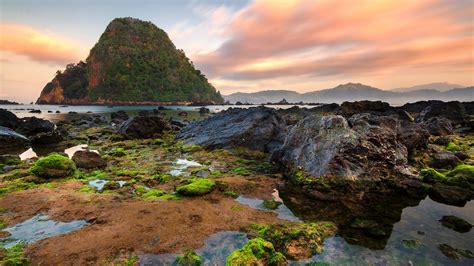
(133, 62)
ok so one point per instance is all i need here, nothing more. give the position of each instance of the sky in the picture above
(247, 46)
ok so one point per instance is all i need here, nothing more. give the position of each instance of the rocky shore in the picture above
(168, 183)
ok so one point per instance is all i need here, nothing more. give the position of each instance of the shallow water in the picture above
(37, 228)
(98, 184)
(181, 165)
(419, 223)
(23, 110)
(214, 252)
(283, 212)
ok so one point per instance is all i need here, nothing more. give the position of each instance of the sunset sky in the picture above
(253, 45)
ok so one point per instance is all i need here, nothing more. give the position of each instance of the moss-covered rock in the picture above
(189, 257)
(53, 166)
(430, 175)
(197, 187)
(296, 240)
(455, 223)
(256, 252)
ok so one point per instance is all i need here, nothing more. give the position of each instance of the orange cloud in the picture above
(320, 38)
(37, 45)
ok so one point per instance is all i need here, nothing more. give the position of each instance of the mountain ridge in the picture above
(352, 92)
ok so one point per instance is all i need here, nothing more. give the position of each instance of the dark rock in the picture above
(32, 125)
(417, 107)
(450, 195)
(12, 142)
(204, 110)
(9, 119)
(183, 114)
(444, 160)
(9, 159)
(143, 127)
(453, 111)
(349, 109)
(202, 173)
(58, 112)
(177, 123)
(327, 145)
(35, 111)
(461, 155)
(456, 223)
(413, 136)
(88, 160)
(44, 138)
(455, 253)
(258, 128)
(438, 126)
(403, 115)
(326, 108)
(444, 140)
(469, 107)
(144, 113)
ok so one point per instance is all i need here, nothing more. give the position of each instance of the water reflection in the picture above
(215, 251)
(37, 228)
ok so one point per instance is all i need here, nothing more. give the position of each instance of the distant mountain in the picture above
(439, 86)
(352, 92)
(134, 62)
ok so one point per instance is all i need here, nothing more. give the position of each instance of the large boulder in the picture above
(445, 160)
(143, 127)
(53, 166)
(451, 195)
(413, 136)
(349, 109)
(88, 160)
(438, 126)
(33, 125)
(417, 107)
(258, 128)
(453, 111)
(12, 142)
(9, 119)
(329, 146)
(119, 116)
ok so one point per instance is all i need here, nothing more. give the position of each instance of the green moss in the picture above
(462, 171)
(430, 175)
(453, 147)
(411, 243)
(189, 257)
(14, 256)
(197, 187)
(237, 208)
(311, 234)
(87, 189)
(241, 171)
(231, 194)
(255, 252)
(153, 193)
(53, 166)
(118, 152)
(3, 224)
(271, 204)
(16, 185)
(191, 148)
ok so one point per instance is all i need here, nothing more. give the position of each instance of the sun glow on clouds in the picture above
(37, 45)
(344, 40)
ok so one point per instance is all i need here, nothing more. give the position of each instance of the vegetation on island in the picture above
(133, 61)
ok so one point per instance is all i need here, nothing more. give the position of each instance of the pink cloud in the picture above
(37, 45)
(343, 37)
